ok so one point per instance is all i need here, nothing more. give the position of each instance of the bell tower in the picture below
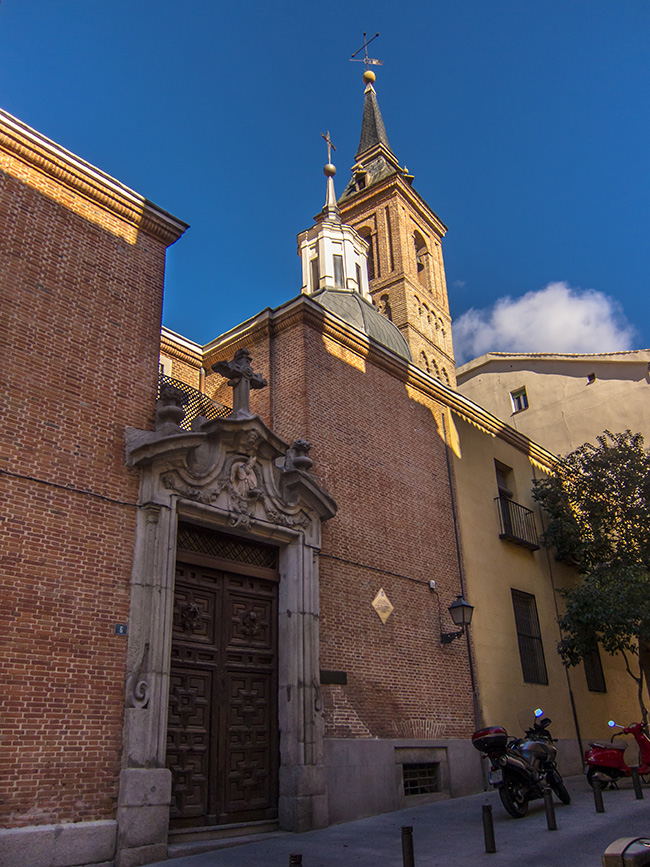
(405, 266)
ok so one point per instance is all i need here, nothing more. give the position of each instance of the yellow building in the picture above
(562, 400)
(513, 584)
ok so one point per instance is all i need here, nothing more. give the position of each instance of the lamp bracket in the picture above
(448, 637)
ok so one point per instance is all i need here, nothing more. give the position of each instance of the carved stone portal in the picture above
(233, 475)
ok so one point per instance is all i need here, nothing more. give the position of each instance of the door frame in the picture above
(190, 476)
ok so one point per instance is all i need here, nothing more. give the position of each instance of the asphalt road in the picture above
(450, 832)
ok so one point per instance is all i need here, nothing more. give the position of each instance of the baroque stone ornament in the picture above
(232, 473)
(298, 456)
(137, 684)
(241, 379)
(170, 410)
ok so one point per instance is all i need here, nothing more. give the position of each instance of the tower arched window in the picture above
(421, 253)
(424, 362)
(367, 235)
(384, 307)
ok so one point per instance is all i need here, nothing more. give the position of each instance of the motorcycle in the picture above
(606, 762)
(522, 768)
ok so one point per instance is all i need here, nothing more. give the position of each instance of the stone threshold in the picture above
(193, 841)
(211, 840)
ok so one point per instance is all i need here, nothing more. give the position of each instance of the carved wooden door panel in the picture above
(222, 739)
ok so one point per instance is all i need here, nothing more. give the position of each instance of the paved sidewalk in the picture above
(450, 833)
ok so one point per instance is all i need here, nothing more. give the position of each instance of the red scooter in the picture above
(605, 762)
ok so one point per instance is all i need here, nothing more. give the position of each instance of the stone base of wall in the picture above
(143, 816)
(365, 776)
(77, 844)
(569, 757)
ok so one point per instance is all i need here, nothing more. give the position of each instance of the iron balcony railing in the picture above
(197, 405)
(516, 523)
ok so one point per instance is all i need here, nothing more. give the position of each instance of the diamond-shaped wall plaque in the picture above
(382, 605)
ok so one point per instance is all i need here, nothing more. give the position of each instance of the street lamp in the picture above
(461, 613)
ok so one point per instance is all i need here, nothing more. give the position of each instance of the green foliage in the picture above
(598, 505)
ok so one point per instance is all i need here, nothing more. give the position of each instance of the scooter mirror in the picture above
(538, 713)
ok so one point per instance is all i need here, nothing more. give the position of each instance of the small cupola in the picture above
(334, 255)
(335, 271)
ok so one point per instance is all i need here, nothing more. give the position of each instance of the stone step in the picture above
(193, 841)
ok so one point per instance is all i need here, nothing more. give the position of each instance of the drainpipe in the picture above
(477, 710)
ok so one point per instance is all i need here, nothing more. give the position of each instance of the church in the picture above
(239, 577)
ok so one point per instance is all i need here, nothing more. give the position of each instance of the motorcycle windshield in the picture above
(531, 715)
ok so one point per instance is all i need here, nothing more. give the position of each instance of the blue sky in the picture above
(525, 124)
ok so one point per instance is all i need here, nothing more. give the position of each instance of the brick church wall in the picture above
(82, 298)
(378, 448)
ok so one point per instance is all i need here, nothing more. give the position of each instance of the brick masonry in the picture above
(378, 448)
(81, 282)
(395, 220)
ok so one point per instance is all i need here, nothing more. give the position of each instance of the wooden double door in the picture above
(222, 736)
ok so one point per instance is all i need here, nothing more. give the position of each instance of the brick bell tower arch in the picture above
(223, 717)
(406, 270)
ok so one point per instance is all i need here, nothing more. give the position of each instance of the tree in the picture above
(598, 504)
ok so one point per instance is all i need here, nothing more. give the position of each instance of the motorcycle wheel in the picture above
(514, 795)
(557, 784)
(591, 773)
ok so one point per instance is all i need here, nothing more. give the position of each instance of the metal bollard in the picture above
(551, 824)
(295, 860)
(408, 859)
(488, 829)
(636, 781)
(598, 797)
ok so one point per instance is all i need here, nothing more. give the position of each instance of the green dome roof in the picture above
(355, 310)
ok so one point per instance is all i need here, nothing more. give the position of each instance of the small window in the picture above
(519, 400)
(529, 638)
(338, 272)
(421, 778)
(594, 672)
(315, 279)
(591, 377)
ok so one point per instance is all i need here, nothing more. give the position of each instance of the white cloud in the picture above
(554, 319)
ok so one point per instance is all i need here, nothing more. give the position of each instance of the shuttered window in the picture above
(529, 637)
(594, 672)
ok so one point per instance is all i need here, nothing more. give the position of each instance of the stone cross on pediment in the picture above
(241, 379)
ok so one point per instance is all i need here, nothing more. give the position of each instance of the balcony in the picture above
(197, 405)
(516, 523)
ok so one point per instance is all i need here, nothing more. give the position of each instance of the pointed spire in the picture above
(374, 159)
(373, 131)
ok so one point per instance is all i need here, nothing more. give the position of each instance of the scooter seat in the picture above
(621, 747)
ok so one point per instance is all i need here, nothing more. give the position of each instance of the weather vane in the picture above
(330, 146)
(369, 61)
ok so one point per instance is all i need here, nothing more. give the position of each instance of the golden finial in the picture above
(329, 169)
